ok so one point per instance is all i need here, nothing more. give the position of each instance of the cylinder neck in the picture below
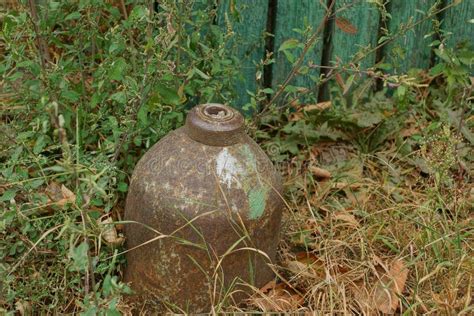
(214, 124)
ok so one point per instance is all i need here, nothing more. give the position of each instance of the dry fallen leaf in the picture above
(409, 131)
(67, 194)
(345, 25)
(344, 185)
(296, 116)
(340, 81)
(319, 106)
(23, 307)
(357, 197)
(387, 289)
(109, 232)
(53, 191)
(383, 295)
(59, 195)
(307, 265)
(347, 217)
(320, 173)
(277, 298)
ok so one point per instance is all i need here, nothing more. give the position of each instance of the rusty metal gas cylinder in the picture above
(205, 203)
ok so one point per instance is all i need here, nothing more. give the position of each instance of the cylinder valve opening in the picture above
(217, 112)
(214, 124)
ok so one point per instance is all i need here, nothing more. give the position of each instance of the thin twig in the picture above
(143, 95)
(300, 60)
(90, 268)
(43, 48)
(403, 31)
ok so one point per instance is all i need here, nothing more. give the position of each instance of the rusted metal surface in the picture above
(211, 201)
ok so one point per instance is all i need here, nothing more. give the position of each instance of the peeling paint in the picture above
(227, 168)
(256, 190)
(257, 202)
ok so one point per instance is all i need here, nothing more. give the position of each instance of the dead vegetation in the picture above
(380, 217)
(377, 237)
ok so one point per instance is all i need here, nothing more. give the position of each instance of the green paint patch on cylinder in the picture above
(257, 202)
(256, 190)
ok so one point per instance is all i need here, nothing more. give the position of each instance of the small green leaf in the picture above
(303, 70)
(72, 16)
(138, 12)
(168, 95)
(289, 44)
(366, 119)
(142, 115)
(71, 95)
(137, 140)
(201, 74)
(116, 46)
(122, 187)
(107, 285)
(443, 55)
(40, 143)
(384, 66)
(437, 69)
(119, 67)
(34, 184)
(435, 43)
(120, 97)
(289, 56)
(401, 91)
(7, 195)
(17, 153)
(79, 255)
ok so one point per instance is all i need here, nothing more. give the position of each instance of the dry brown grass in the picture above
(379, 236)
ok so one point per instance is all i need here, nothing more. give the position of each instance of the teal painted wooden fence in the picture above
(353, 34)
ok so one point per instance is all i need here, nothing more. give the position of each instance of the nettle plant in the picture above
(89, 85)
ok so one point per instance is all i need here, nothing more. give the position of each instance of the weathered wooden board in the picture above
(457, 21)
(411, 49)
(290, 15)
(248, 19)
(355, 33)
